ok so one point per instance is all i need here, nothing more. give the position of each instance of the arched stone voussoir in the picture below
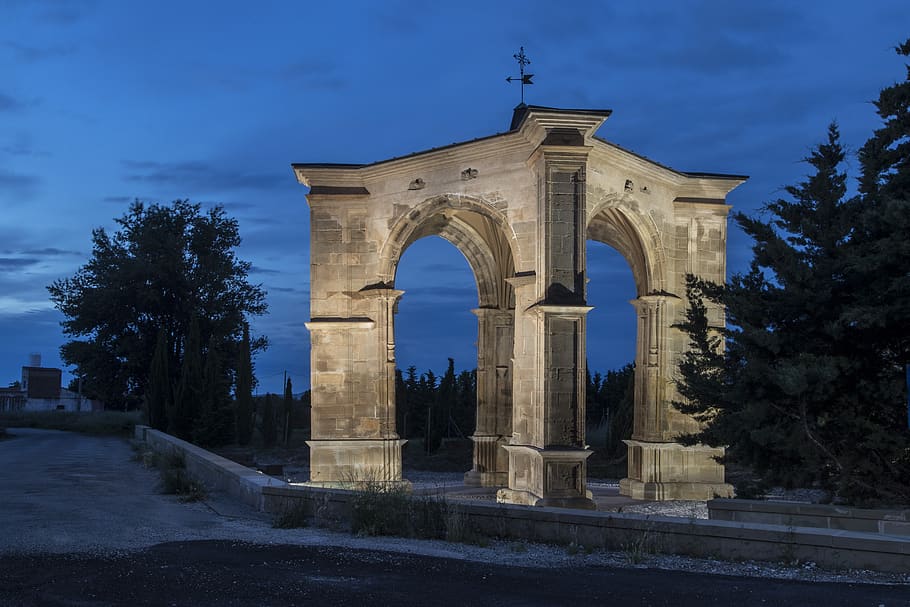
(618, 222)
(433, 217)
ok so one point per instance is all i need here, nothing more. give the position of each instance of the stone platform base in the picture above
(673, 491)
(403, 486)
(526, 498)
(473, 478)
(491, 462)
(669, 471)
(348, 462)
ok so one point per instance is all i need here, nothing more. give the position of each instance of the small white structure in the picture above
(40, 390)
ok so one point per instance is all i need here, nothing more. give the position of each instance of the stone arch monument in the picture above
(520, 206)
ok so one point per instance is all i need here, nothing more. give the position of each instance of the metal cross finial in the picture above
(522, 60)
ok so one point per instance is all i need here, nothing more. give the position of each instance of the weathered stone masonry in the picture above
(520, 206)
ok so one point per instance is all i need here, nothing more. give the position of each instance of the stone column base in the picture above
(491, 462)
(356, 463)
(670, 471)
(547, 477)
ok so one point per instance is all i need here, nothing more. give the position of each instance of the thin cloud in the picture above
(50, 252)
(64, 12)
(17, 182)
(10, 104)
(282, 289)
(313, 74)
(261, 270)
(33, 54)
(198, 175)
(20, 149)
(12, 264)
(118, 199)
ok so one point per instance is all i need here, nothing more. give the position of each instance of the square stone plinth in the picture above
(355, 463)
(669, 471)
(554, 477)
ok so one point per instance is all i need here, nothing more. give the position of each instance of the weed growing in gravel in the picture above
(292, 517)
(382, 508)
(575, 548)
(175, 480)
(641, 546)
(381, 511)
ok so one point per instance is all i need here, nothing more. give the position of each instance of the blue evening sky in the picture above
(105, 101)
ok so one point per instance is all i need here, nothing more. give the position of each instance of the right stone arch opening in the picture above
(657, 466)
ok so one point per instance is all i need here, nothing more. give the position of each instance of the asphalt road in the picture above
(82, 524)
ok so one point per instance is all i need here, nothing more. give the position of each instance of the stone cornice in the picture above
(339, 324)
(538, 121)
(316, 175)
(702, 206)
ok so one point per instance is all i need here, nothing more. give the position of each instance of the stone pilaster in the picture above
(495, 335)
(659, 468)
(354, 439)
(547, 453)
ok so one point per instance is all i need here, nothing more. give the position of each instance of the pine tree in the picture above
(243, 391)
(880, 314)
(160, 392)
(882, 244)
(795, 395)
(790, 362)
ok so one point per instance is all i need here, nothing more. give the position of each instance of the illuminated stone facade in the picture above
(520, 207)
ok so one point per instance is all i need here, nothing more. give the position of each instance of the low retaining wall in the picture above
(729, 540)
(215, 472)
(885, 522)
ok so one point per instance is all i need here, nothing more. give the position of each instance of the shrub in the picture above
(292, 517)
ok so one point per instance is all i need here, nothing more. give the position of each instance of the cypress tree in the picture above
(267, 427)
(160, 392)
(216, 421)
(243, 391)
(188, 397)
(287, 411)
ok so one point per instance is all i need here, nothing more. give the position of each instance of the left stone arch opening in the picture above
(488, 254)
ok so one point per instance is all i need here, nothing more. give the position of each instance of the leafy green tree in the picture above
(243, 392)
(160, 392)
(163, 266)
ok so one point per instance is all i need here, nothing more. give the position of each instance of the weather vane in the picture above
(522, 60)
